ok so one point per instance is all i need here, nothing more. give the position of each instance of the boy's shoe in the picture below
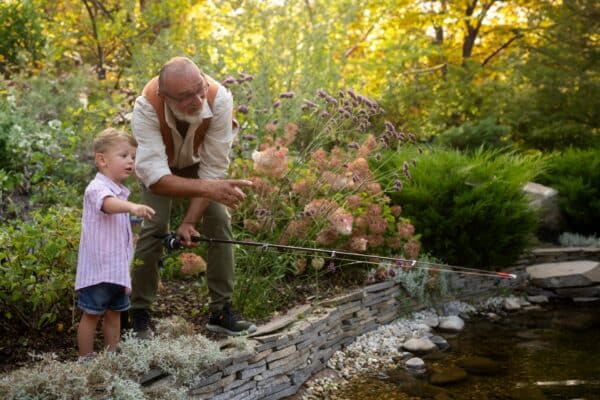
(141, 323)
(86, 358)
(225, 321)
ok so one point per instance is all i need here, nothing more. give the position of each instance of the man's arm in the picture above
(153, 170)
(225, 191)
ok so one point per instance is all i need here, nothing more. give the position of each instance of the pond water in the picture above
(552, 353)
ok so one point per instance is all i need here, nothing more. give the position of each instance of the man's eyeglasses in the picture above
(201, 91)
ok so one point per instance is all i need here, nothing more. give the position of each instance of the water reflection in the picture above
(550, 353)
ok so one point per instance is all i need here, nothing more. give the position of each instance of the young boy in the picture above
(106, 245)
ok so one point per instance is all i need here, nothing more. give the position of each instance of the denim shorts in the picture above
(98, 298)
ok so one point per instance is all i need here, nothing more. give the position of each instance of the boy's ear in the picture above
(99, 160)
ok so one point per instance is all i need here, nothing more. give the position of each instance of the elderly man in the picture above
(184, 127)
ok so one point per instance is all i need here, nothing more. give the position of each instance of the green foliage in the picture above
(558, 101)
(38, 259)
(485, 133)
(41, 156)
(469, 209)
(21, 36)
(575, 174)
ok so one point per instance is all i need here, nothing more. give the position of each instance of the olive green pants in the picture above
(215, 223)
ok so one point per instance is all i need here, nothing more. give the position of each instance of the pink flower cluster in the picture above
(271, 162)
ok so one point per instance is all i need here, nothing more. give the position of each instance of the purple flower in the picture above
(245, 77)
(229, 80)
(309, 104)
(286, 95)
(243, 109)
(331, 267)
(324, 114)
(276, 104)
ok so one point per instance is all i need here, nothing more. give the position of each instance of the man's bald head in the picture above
(177, 68)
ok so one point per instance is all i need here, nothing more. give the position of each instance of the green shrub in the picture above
(469, 210)
(473, 135)
(39, 160)
(575, 174)
(38, 259)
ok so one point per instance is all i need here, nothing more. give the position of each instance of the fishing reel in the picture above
(171, 241)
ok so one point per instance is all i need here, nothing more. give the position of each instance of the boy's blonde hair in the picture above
(109, 137)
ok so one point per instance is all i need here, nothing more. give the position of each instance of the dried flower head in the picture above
(271, 161)
(317, 263)
(405, 229)
(412, 249)
(357, 244)
(191, 263)
(341, 220)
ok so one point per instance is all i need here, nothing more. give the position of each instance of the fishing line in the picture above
(172, 242)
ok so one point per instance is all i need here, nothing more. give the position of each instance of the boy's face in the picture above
(117, 163)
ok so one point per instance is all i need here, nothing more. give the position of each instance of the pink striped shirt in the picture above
(106, 244)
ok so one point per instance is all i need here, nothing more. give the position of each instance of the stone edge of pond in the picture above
(282, 355)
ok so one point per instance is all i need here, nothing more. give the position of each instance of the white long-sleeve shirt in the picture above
(151, 161)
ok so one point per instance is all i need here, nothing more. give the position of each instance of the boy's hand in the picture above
(140, 210)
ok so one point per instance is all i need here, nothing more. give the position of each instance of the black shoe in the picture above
(141, 323)
(225, 321)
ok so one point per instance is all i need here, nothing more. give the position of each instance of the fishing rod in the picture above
(172, 242)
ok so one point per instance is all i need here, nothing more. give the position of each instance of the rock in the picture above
(440, 342)
(480, 365)
(415, 363)
(544, 200)
(586, 291)
(415, 366)
(419, 346)
(448, 375)
(565, 274)
(511, 304)
(538, 299)
(431, 321)
(451, 323)
(585, 299)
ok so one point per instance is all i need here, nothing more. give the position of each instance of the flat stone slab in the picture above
(281, 322)
(565, 274)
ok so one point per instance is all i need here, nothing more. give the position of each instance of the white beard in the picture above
(193, 119)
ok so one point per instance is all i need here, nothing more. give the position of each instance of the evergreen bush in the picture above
(469, 210)
(472, 135)
(575, 173)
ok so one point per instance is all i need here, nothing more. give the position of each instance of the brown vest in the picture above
(150, 92)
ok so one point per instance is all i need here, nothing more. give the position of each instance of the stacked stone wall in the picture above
(277, 361)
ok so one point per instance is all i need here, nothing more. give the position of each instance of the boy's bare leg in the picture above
(86, 333)
(111, 329)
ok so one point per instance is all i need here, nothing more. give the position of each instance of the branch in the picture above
(423, 70)
(499, 49)
(351, 50)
